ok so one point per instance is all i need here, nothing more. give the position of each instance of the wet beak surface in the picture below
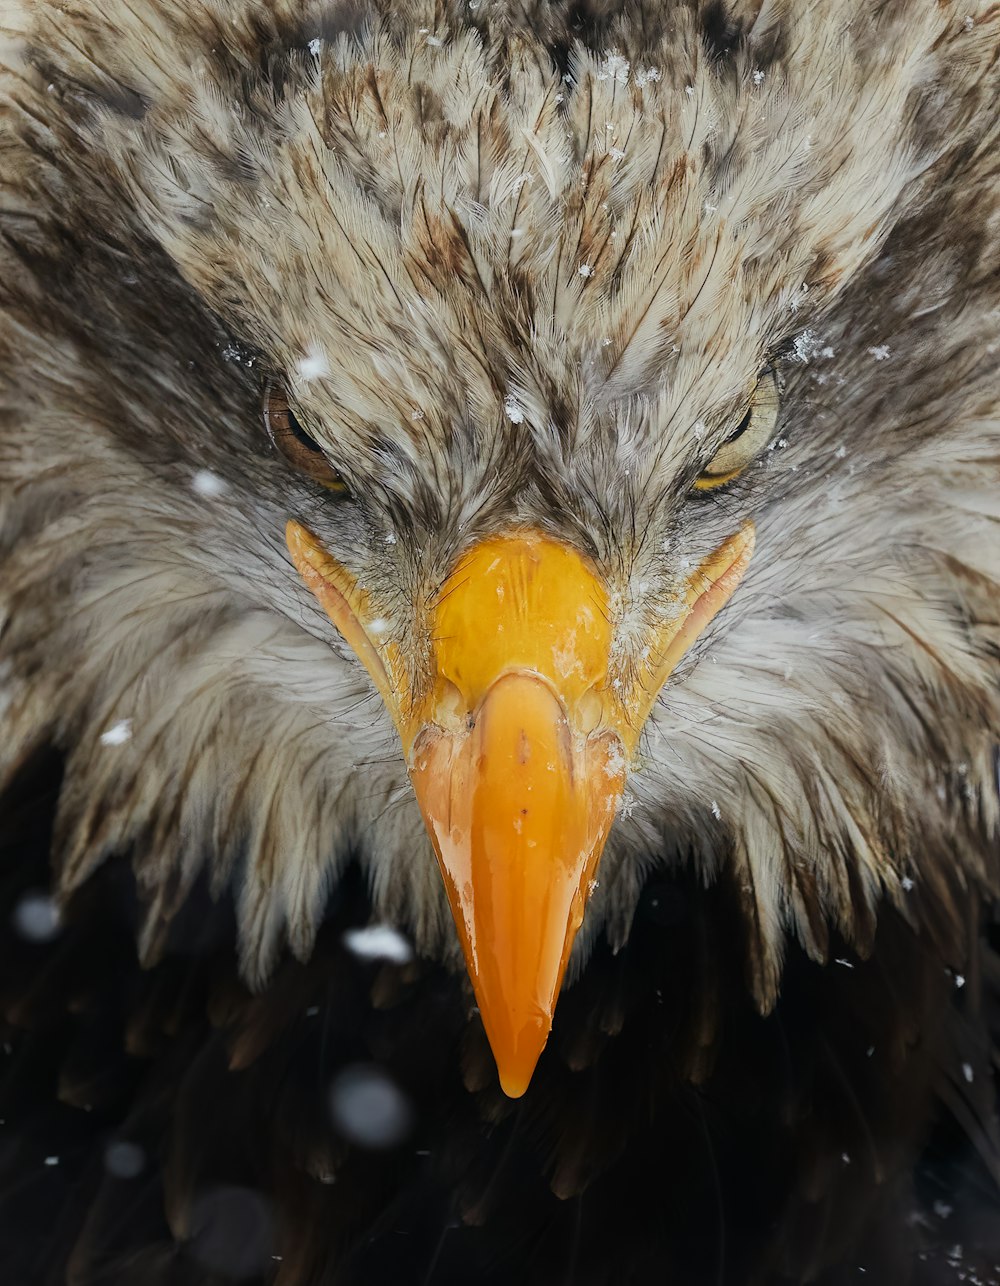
(517, 748)
(518, 809)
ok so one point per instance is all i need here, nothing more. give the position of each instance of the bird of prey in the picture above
(500, 558)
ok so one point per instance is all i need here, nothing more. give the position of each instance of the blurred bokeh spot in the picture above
(369, 1108)
(232, 1232)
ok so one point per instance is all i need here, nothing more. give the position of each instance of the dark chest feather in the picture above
(168, 1127)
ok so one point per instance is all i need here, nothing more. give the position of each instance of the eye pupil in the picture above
(742, 427)
(747, 440)
(300, 435)
(293, 442)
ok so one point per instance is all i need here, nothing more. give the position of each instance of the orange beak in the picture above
(517, 743)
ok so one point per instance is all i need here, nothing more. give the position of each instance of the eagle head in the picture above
(513, 450)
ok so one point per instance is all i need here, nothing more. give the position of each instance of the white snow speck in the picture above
(615, 764)
(846, 1158)
(689, 90)
(614, 67)
(942, 1209)
(758, 77)
(967, 1072)
(390, 539)
(435, 41)
(646, 75)
(208, 484)
(969, 23)
(417, 414)
(840, 452)
(616, 154)
(36, 917)
(906, 884)
(118, 733)
(797, 299)
(846, 963)
(51, 1160)
(513, 412)
(869, 1051)
(880, 352)
(314, 46)
(378, 942)
(585, 270)
(313, 365)
(959, 980)
(716, 810)
(805, 346)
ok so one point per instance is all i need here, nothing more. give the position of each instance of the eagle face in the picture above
(570, 446)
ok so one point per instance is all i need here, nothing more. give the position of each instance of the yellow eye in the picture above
(749, 439)
(294, 443)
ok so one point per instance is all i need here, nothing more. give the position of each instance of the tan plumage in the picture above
(514, 268)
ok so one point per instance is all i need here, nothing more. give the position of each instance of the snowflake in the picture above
(312, 366)
(614, 67)
(118, 733)
(880, 352)
(806, 345)
(378, 942)
(512, 410)
(208, 484)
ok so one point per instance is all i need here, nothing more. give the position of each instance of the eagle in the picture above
(499, 565)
